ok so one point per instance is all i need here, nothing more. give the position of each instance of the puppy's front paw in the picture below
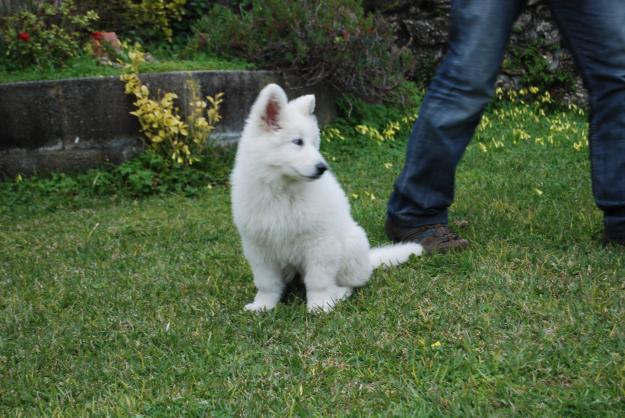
(321, 306)
(326, 299)
(264, 301)
(257, 307)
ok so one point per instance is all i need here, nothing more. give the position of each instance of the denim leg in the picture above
(451, 109)
(595, 33)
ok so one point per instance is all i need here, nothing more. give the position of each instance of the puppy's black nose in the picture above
(321, 168)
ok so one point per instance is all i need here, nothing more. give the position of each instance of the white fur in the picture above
(292, 221)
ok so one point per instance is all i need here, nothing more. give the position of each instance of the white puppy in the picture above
(291, 213)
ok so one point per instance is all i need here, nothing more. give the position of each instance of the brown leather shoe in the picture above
(433, 238)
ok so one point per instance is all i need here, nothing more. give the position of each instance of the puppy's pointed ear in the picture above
(269, 107)
(304, 104)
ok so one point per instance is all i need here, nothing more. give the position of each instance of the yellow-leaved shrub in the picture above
(178, 137)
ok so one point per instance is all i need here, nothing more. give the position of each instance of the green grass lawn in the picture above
(86, 66)
(115, 306)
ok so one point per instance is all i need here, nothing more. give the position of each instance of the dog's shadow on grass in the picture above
(295, 291)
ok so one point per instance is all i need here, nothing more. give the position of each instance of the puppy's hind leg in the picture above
(356, 267)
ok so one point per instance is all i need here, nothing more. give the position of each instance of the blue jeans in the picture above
(464, 83)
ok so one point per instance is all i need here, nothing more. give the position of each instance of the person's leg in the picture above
(451, 110)
(595, 33)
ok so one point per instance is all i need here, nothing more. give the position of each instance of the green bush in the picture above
(332, 41)
(143, 20)
(195, 10)
(535, 69)
(12, 7)
(46, 37)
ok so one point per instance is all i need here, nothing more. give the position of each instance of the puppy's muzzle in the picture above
(321, 168)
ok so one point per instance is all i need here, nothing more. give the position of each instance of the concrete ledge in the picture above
(80, 123)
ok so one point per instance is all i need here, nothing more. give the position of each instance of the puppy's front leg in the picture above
(270, 286)
(269, 283)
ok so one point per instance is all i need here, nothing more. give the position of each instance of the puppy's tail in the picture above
(392, 255)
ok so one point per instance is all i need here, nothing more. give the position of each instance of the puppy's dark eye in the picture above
(299, 142)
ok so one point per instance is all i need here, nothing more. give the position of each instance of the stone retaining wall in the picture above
(81, 123)
(423, 26)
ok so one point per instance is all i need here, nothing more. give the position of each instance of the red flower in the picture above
(97, 36)
(23, 36)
